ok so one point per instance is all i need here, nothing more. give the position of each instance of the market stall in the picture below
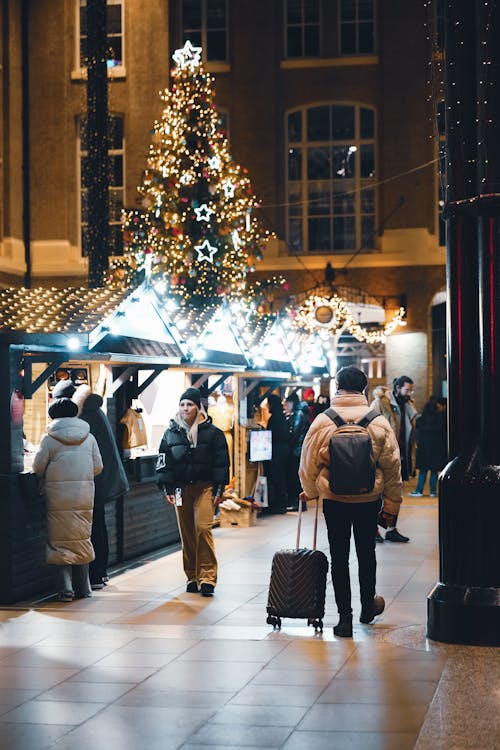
(139, 352)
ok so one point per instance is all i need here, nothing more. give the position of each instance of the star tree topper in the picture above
(187, 56)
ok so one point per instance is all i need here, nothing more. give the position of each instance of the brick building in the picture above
(326, 102)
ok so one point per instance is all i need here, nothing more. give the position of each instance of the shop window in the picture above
(331, 192)
(114, 34)
(204, 23)
(116, 154)
(357, 27)
(302, 25)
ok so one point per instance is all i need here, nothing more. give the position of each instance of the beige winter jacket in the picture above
(314, 460)
(67, 461)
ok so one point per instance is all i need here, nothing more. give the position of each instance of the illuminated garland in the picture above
(332, 315)
(53, 310)
(197, 223)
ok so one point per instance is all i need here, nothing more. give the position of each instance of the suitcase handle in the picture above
(299, 524)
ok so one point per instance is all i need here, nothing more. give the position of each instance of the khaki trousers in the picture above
(195, 517)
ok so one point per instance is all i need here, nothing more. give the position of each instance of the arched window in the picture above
(331, 196)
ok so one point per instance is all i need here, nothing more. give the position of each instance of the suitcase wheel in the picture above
(274, 621)
(317, 624)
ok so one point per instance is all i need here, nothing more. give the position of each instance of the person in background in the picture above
(276, 468)
(66, 463)
(430, 437)
(357, 513)
(193, 462)
(298, 423)
(398, 408)
(110, 484)
(382, 403)
(308, 396)
(405, 421)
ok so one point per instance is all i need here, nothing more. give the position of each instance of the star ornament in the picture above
(187, 56)
(229, 188)
(206, 251)
(203, 213)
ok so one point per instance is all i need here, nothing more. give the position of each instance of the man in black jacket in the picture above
(192, 471)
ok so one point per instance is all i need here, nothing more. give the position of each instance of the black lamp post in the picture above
(464, 607)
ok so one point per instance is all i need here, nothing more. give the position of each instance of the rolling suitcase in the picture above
(298, 582)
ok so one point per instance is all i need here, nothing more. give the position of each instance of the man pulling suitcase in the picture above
(352, 507)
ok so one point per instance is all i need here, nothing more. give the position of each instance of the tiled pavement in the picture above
(145, 665)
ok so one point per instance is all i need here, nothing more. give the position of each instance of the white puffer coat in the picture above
(314, 472)
(67, 461)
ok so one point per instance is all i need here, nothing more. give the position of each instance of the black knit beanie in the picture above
(192, 394)
(62, 407)
(63, 389)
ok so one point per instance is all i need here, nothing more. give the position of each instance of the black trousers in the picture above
(362, 519)
(278, 494)
(292, 481)
(98, 568)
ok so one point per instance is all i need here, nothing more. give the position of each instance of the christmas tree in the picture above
(197, 235)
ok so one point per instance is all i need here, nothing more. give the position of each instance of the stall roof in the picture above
(307, 352)
(211, 336)
(40, 310)
(139, 325)
(95, 322)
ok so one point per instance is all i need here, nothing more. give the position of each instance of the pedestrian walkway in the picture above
(145, 666)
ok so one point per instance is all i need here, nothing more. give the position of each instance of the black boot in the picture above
(344, 627)
(372, 609)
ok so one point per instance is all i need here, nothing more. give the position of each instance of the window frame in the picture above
(204, 31)
(80, 68)
(357, 24)
(303, 26)
(359, 182)
(81, 190)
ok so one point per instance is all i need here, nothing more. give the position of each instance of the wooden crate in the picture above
(242, 518)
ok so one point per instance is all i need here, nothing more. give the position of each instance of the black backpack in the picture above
(352, 466)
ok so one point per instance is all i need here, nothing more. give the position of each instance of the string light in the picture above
(332, 315)
(41, 310)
